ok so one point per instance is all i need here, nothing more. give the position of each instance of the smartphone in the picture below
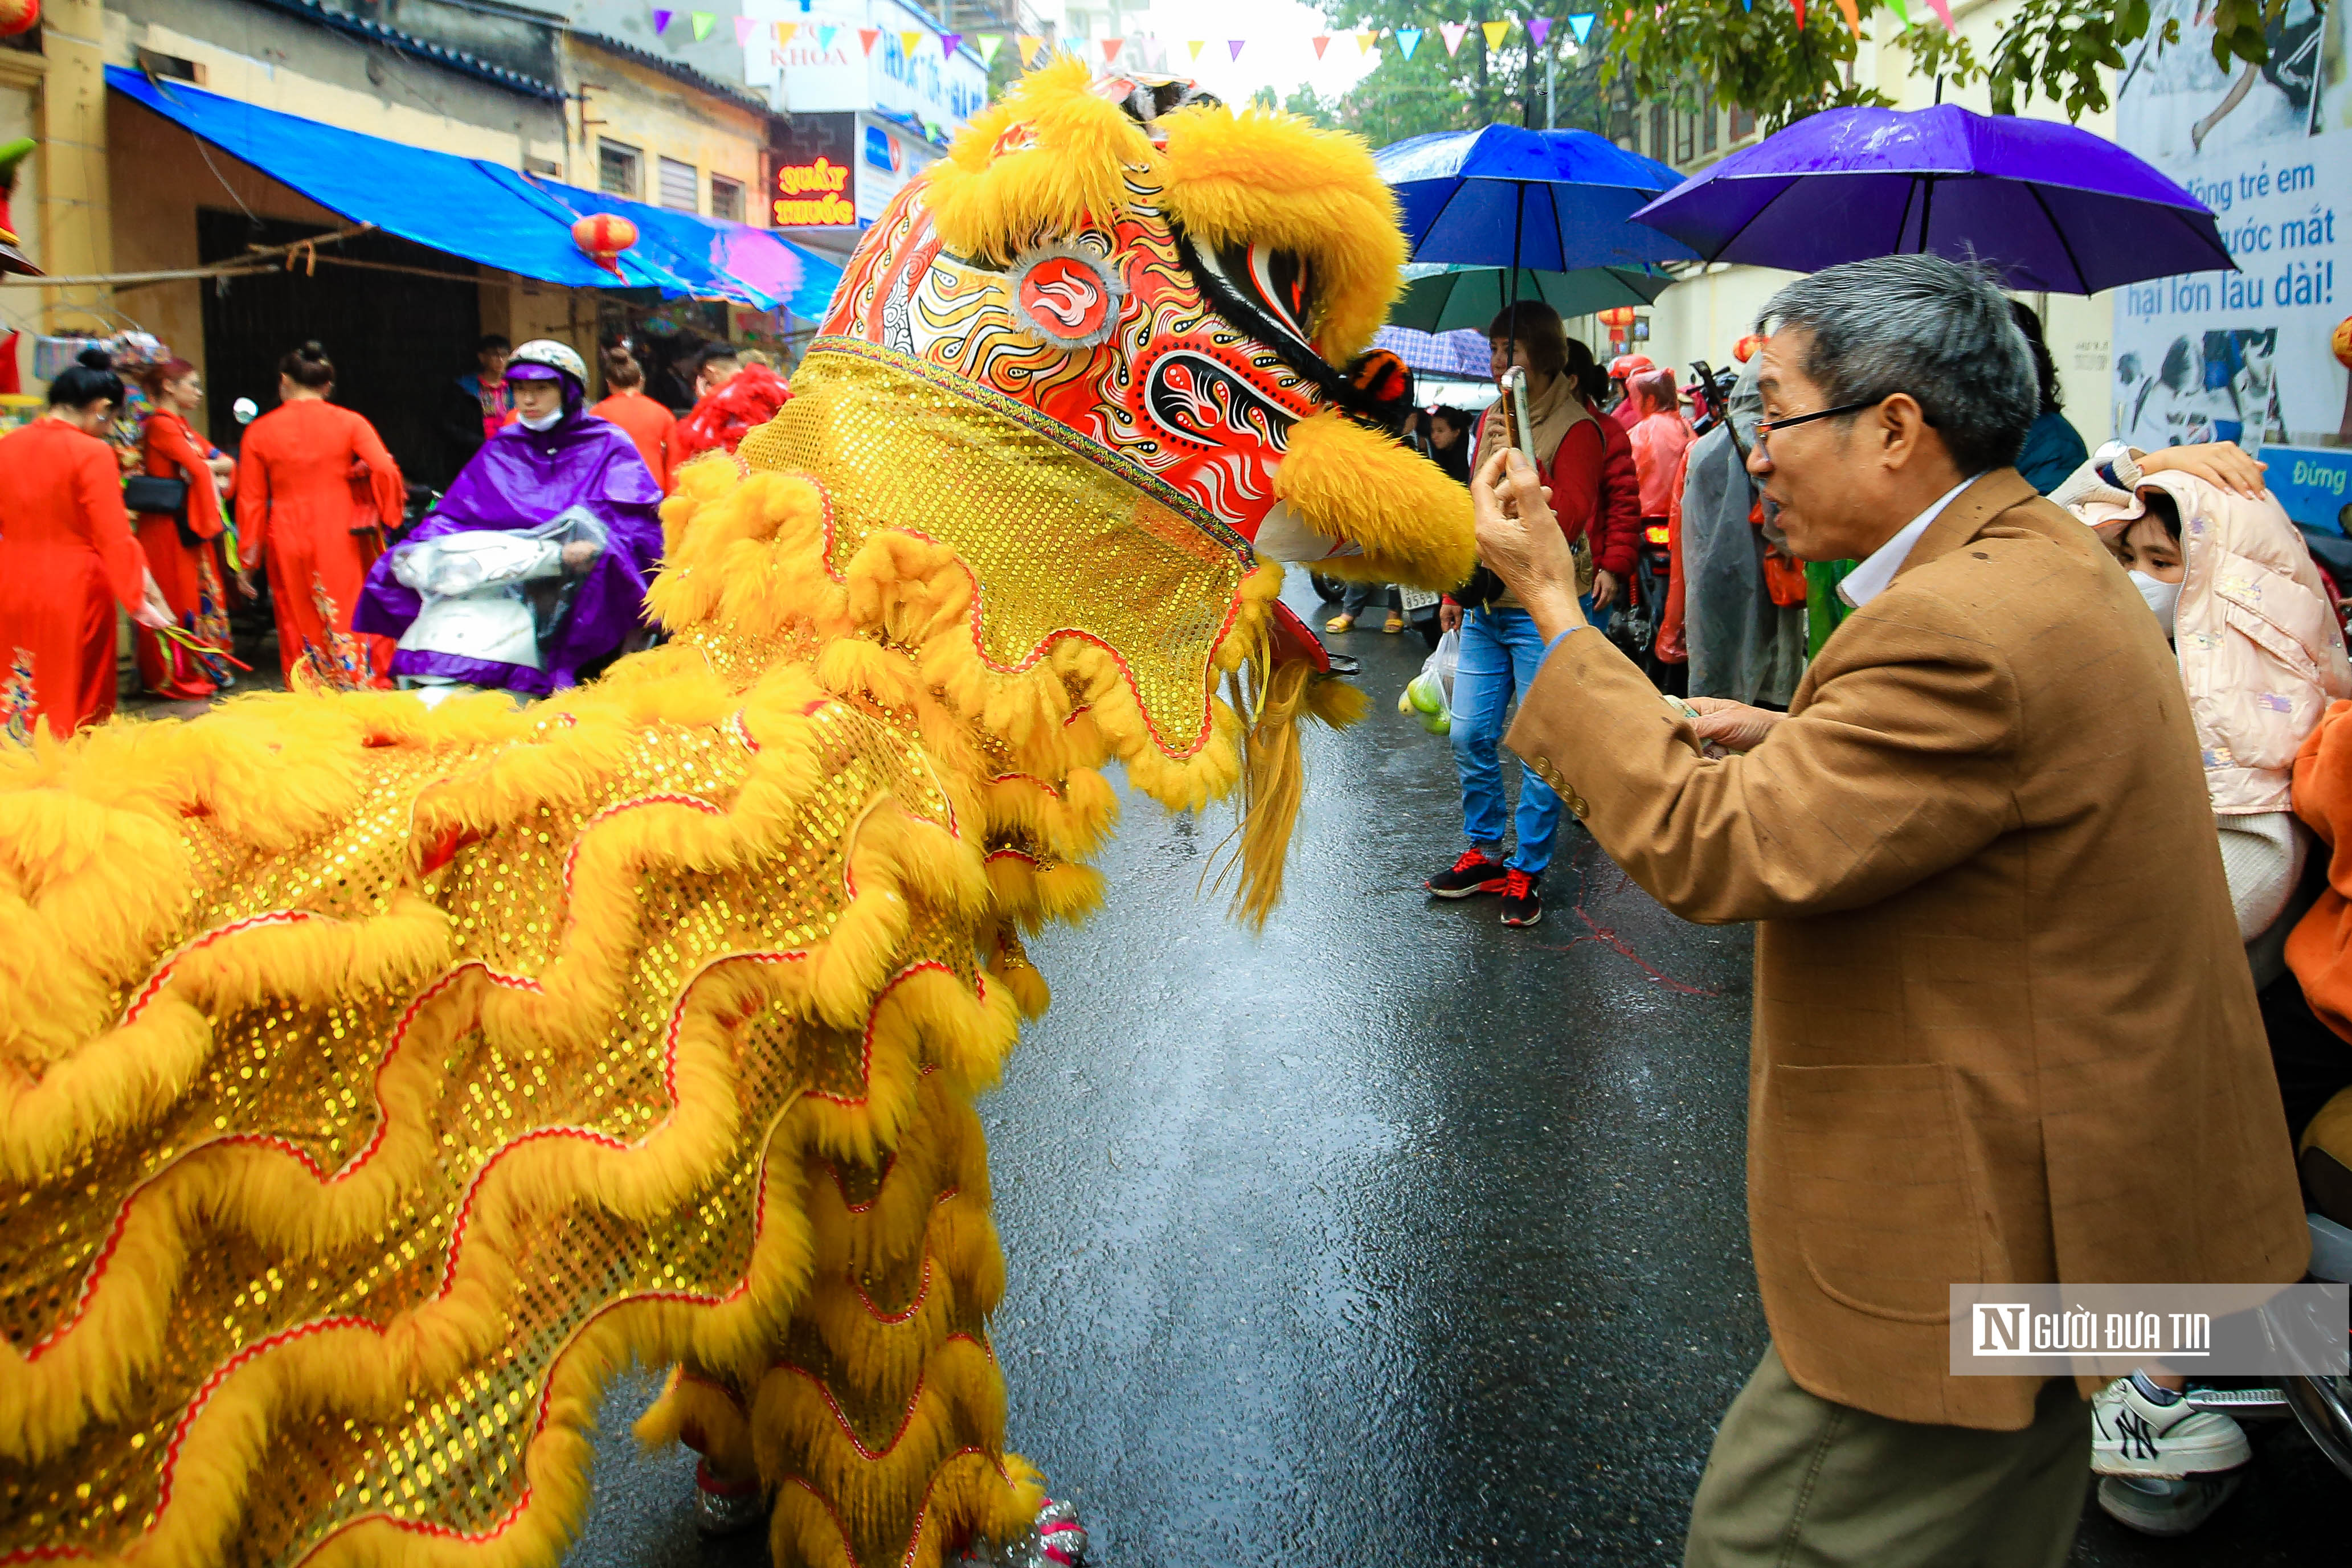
(1516, 426)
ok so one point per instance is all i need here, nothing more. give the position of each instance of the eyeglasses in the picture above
(1766, 427)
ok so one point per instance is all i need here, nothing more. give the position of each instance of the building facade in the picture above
(122, 191)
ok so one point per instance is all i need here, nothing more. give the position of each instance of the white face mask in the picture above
(2164, 598)
(547, 424)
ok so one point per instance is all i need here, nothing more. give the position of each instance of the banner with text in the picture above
(2244, 356)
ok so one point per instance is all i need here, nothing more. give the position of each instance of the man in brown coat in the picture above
(2004, 1029)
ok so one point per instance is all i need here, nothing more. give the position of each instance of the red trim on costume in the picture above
(922, 1293)
(162, 974)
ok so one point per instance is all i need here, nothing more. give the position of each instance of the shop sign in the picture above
(824, 67)
(814, 196)
(888, 157)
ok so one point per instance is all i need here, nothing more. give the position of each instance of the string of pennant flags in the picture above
(1030, 46)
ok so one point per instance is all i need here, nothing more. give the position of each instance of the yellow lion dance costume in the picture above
(376, 1080)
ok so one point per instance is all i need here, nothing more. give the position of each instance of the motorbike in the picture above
(2321, 1406)
(2333, 552)
(1709, 392)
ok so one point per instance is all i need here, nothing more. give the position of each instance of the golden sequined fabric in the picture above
(1063, 539)
(642, 1022)
(377, 1082)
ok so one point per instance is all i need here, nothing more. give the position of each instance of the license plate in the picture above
(1417, 597)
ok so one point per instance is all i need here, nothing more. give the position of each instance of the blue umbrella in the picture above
(1557, 201)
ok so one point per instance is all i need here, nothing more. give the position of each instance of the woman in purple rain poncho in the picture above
(534, 565)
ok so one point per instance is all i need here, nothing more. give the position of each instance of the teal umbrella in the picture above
(1440, 297)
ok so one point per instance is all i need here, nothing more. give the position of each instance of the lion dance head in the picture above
(1182, 284)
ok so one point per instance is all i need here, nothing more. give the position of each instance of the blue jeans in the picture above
(1500, 655)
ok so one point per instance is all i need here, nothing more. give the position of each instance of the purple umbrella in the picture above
(2053, 207)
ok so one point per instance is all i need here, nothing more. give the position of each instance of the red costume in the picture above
(189, 575)
(749, 400)
(648, 426)
(67, 559)
(309, 475)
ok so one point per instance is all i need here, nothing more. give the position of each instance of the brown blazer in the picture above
(2004, 1029)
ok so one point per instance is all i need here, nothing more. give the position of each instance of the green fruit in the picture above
(1424, 695)
(1440, 723)
(1404, 700)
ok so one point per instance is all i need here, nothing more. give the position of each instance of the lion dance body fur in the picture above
(375, 1081)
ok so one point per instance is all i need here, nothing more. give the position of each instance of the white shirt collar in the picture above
(1872, 577)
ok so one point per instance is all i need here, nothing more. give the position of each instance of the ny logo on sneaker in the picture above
(2138, 1437)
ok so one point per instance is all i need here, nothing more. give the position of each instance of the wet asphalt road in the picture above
(1393, 1236)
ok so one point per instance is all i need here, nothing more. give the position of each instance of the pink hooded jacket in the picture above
(2262, 655)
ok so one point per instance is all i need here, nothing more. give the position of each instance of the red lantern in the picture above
(1746, 349)
(18, 16)
(1617, 315)
(602, 236)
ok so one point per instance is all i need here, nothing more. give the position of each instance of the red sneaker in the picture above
(1474, 873)
(1522, 898)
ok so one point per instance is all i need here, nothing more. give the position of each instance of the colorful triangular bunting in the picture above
(1321, 41)
(1495, 32)
(1364, 42)
(1408, 40)
(1901, 12)
(866, 38)
(661, 21)
(1454, 32)
(703, 21)
(1853, 17)
(1235, 45)
(989, 44)
(1196, 46)
(948, 44)
(824, 37)
(908, 38)
(1110, 48)
(743, 25)
(1028, 44)
(1539, 29)
(1581, 24)
(1944, 13)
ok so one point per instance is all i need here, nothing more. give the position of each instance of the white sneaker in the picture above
(2163, 1507)
(2131, 1435)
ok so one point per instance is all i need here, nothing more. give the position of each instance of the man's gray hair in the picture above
(1919, 324)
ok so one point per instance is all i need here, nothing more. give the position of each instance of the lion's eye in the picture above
(1277, 282)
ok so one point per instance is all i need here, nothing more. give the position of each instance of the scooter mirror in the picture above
(246, 409)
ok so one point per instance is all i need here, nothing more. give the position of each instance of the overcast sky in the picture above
(1278, 55)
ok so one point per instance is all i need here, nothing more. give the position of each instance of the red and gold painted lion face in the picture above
(1180, 284)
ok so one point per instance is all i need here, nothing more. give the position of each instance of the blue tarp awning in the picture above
(488, 213)
(707, 258)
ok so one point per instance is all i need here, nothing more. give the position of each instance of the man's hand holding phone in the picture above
(1519, 540)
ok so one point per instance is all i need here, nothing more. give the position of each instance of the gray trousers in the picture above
(1796, 1482)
